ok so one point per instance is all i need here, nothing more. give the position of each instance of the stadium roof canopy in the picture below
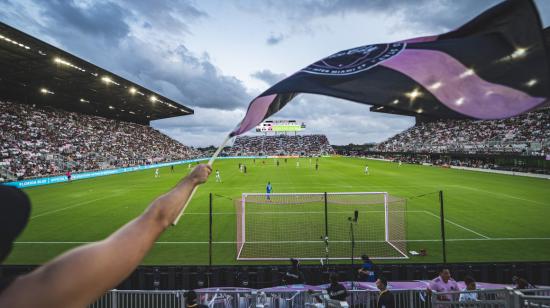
(37, 73)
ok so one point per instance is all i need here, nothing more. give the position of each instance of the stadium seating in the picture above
(38, 142)
(527, 134)
(308, 145)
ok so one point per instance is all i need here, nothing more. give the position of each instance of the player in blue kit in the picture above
(268, 190)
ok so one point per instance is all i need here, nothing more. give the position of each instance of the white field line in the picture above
(290, 242)
(458, 225)
(70, 207)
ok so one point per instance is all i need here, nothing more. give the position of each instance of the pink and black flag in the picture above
(495, 66)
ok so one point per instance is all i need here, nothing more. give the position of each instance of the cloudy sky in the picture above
(215, 56)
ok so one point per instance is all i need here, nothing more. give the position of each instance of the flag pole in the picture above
(210, 162)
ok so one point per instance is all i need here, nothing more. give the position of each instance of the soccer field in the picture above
(489, 217)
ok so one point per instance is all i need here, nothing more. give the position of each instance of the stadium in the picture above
(452, 192)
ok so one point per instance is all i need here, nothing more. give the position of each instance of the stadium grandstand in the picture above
(46, 141)
(61, 113)
(281, 145)
(520, 144)
(527, 134)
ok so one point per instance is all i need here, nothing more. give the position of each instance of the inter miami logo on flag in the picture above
(354, 60)
(493, 67)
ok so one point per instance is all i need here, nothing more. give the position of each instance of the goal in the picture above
(295, 225)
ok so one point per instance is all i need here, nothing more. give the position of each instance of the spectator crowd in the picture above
(305, 145)
(525, 134)
(38, 142)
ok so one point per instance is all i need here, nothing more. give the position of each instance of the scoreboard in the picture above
(277, 126)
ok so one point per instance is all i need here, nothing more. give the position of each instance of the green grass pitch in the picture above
(490, 217)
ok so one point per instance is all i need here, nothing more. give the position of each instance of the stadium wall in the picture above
(532, 175)
(92, 174)
(263, 276)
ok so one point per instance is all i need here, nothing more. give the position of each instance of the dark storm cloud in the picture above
(105, 20)
(101, 32)
(268, 76)
(178, 73)
(427, 15)
(275, 39)
(168, 15)
(439, 13)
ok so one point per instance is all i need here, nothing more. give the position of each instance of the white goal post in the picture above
(313, 226)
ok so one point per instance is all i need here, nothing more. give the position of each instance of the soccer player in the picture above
(157, 173)
(400, 163)
(218, 177)
(268, 190)
(277, 163)
(316, 167)
(298, 164)
(367, 169)
(68, 175)
(172, 168)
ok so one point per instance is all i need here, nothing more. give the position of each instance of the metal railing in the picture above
(141, 299)
(235, 298)
(529, 301)
(503, 298)
(476, 298)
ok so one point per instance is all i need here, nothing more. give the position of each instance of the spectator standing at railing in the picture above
(443, 283)
(295, 275)
(385, 297)
(191, 300)
(470, 286)
(336, 291)
(523, 284)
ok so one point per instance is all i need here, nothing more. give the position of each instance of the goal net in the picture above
(295, 225)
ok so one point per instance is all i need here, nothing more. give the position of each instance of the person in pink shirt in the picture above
(68, 174)
(443, 283)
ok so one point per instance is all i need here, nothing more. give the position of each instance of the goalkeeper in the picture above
(79, 276)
